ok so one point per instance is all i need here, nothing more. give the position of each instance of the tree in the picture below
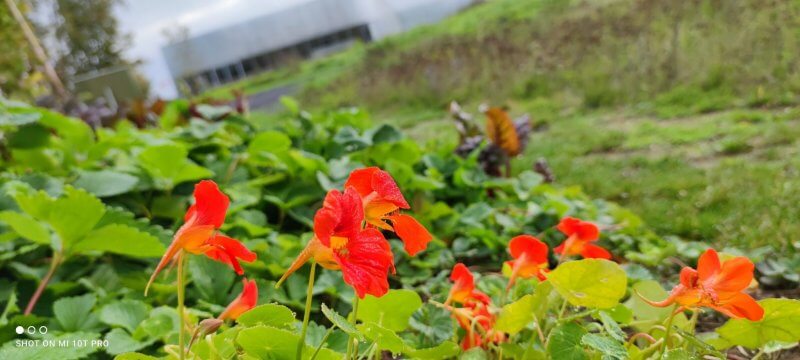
(14, 63)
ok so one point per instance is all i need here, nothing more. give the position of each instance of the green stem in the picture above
(181, 320)
(352, 340)
(563, 310)
(54, 263)
(307, 312)
(322, 343)
(693, 320)
(759, 354)
(667, 332)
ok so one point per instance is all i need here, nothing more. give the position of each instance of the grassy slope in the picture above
(681, 110)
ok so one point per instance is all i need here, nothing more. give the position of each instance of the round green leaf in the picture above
(781, 323)
(392, 310)
(593, 283)
(268, 314)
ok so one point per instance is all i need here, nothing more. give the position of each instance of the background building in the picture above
(306, 30)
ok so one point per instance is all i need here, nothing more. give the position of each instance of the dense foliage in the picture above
(86, 213)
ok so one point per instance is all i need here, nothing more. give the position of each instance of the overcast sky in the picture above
(145, 21)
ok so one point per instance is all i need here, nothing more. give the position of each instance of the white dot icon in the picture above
(20, 330)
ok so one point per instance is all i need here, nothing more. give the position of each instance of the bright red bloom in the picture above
(463, 290)
(363, 255)
(478, 321)
(530, 258)
(383, 201)
(198, 235)
(244, 302)
(580, 235)
(715, 285)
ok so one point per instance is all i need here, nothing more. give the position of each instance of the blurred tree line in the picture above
(80, 36)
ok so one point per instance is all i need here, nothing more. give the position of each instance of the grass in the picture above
(680, 110)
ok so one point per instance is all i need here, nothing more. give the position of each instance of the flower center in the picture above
(338, 243)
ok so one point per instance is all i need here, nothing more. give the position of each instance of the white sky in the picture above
(145, 21)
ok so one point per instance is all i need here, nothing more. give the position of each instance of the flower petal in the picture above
(415, 237)
(373, 179)
(341, 213)
(464, 284)
(366, 262)
(535, 249)
(568, 225)
(735, 275)
(592, 251)
(708, 265)
(244, 302)
(210, 205)
(742, 306)
(229, 251)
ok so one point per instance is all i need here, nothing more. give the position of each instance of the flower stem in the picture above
(181, 320)
(322, 343)
(351, 340)
(307, 311)
(667, 332)
(54, 263)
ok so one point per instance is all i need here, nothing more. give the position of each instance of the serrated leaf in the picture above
(162, 322)
(74, 313)
(26, 227)
(268, 314)
(384, 337)
(212, 279)
(74, 215)
(127, 314)
(610, 348)
(105, 183)
(611, 326)
(781, 322)
(169, 166)
(392, 310)
(121, 239)
(593, 283)
(565, 342)
(120, 342)
(434, 323)
(501, 131)
(341, 322)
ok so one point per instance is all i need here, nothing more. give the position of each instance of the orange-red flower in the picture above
(580, 235)
(383, 201)
(244, 302)
(463, 290)
(715, 285)
(198, 235)
(530, 258)
(340, 243)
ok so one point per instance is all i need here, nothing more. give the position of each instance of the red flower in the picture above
(244, 302)
(340, 243)
(530, 258)
(383, 201)
(580, 234)
(198, 235)
(463, 290)
(716, 286)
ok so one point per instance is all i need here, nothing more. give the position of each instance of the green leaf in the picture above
(162, 322)
(610, 348)
(29, 137)
(168, 165)
(678, 354)
(26, 227)
(264, 342)
(273, 142)
(646, 315)
(11, 351)
(434, 323)
(123, 240)
(593, 283)
(475, 353)
(120, 342)
(565, 342)
(74, 313)
(268, 314)
(385, 338)
(611, 326)
(127, 314)
(445, 350)
(781, 323)
(74, 215)
(341, 322)
(212, 278)
(515, 316)
(105, 183)
(392, 310)
(134, 356)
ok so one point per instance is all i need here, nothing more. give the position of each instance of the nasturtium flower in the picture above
(463, 290)
(383, 201)
(580, 235)
(340, 243)
(715, 285)
(199, 233)
(530, 258)
(244, 302)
